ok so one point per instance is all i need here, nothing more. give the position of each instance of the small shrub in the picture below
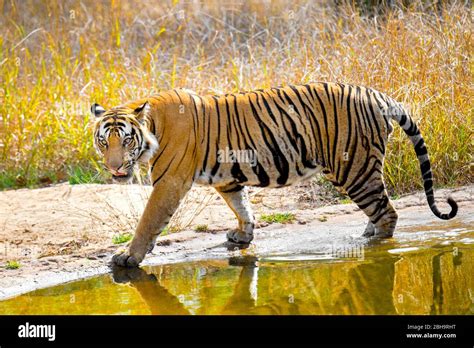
(79, 175)
(12, 264)
(282, 218)
(201, 228)
(323, 218)
(170, 229)
(121, 238)
(165, 231)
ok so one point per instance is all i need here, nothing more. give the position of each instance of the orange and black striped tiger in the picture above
(271, 138)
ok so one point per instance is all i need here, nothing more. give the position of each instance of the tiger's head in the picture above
(122, 138)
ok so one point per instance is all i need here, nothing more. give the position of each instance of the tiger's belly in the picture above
(262, 176)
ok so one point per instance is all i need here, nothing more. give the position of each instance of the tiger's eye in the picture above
(127, 141)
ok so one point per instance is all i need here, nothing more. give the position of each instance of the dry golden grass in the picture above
(57, 57)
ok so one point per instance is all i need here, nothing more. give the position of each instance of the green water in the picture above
(434, 280)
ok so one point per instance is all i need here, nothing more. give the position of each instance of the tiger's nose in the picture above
(114, 166)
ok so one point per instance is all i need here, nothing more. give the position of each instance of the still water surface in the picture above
(436, 278)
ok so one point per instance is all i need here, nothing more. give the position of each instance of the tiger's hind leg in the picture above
(236, 197)
(374, 202)
(369, 230)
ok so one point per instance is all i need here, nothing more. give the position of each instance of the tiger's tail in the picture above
(412, 131)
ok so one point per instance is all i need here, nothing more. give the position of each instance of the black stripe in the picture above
(413, 130)
(352, 153)
(336, 129)
(311, 117)
(380, 206)
(259, 171)
(195, 125)
(237, 173)
(361, 178)
(228, 123)
(325, 154)
(304, 152)
(425, 166)
(369, 125)
(208, 129)
(158, 157)
(164, 172)
(152, 126)
(420, 148)
(217, 164)
(319, 151)
(428, 184)
(291, 137)
(403, 120)
(258, 95)
(377, 191)
(279, 159)
(374, 117)
(380, 105)
(349, 119)
(239, 129)
(359, 108)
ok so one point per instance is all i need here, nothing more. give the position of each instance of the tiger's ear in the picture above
(97, 110)
(142, 111)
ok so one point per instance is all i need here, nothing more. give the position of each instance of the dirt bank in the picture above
(64, 232)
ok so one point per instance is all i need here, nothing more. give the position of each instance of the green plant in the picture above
(282, 218)
(201, 228)
(165, 231)
(12, 264)
(121, 238)
(169, 229)
(83, 175)
(346, 201)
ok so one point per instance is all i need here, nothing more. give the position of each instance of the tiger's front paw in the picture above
(124, 259)
(237, 236)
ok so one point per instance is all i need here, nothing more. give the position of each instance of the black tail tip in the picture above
(454, 209)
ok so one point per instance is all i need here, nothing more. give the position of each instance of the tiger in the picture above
(271, 137)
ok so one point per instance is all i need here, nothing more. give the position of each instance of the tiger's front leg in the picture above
(163, 202)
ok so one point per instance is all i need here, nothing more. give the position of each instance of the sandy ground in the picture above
(65, 232)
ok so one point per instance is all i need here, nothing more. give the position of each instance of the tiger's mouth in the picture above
(122, 177)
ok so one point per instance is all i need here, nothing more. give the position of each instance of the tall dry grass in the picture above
(57, 57)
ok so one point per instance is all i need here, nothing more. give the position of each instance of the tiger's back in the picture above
(280, 136)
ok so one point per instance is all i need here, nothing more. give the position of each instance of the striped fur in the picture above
(291, 133)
